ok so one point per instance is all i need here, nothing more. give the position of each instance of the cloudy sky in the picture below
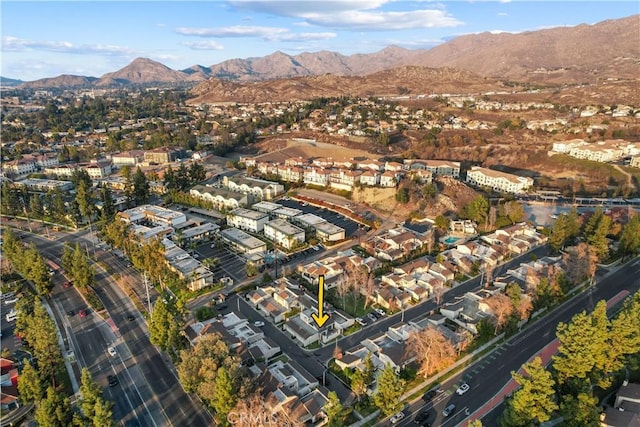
(46, 39)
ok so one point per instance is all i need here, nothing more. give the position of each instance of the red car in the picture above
(82, 313)
(67, 284)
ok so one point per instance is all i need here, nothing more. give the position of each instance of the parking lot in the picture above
(231, 264)
(350, 227)
(9, 340)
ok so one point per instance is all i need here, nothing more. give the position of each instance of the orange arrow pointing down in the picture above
(321, 317)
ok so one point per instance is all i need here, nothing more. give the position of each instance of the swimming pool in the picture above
(451, 240)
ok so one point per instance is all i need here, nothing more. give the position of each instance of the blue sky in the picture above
(46, 39)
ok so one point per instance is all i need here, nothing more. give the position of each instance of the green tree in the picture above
(58, 209)
(35, 206)
(84, 199)
(477, 210)
(42, 337)
(402, 195)
(226, 395)
(9, 202)
(196, 172)
(81, 270)
(103, 414)
(334, 410)
(580, 411)
(67, 256)
(559, 233)
(534, 401)
(108, 208)
(475, 423)
(169, 179)
(583, 347)
(90, 393)
(596, 234)
(30, 384)
(160, 324)
(573, 223)
(442, 222)
(389, 390)
(630, 236)
(140, 187)
(54, 410)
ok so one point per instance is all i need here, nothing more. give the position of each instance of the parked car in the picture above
(258, 323)
(71, 313)
(66, 284)
(397, 417)
(361, 321)
(464, 387)
(449, 410)
(112, 351)
(381, 312)
(372, 317)
(113, 380)
(82, 313)
(130, 317)
(12, 300)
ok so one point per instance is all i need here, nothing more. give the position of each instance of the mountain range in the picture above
(609, 49)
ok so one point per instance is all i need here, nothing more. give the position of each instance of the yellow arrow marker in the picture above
(321, 317)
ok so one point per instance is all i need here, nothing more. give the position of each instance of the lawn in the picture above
(351, 304)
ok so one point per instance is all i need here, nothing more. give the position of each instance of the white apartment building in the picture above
(243, 242)
(99, 170)
(259, 188)
(20, 166)
(370, 177)
(498, 181)
(316, 176)
(598, 152)
(283, 233)
(246, 219)
(436, 167)
(567, 146)
(155, 214)
(222, 199)
(131, 158)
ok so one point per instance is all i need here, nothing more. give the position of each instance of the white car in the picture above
(112, 351)
(361, 321)
(381, 312)
(258, 323)
(464, 387)
(397, 417)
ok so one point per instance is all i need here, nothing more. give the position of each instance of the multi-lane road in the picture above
(148, 390)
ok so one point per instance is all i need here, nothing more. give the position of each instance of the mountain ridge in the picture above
(556, 55)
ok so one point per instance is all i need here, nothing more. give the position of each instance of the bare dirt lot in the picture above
(279, 150)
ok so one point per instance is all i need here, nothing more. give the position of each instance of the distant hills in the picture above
(7, 82)
(609, 49)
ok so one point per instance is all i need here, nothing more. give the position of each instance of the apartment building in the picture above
(222, 199)
(154, 214)
(283, 233)
(130, 158)
(498, 181)
(436, 167)
(246, 219)
(606, 151)
(243, 242)
(258, 188)
(163, 155)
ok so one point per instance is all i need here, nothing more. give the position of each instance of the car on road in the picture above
(113, 380)
(71, 313)
(421, 418)
(381, 312)
(397, 417)
(372, 317)
(66, 284)
(361, 321)
(112, 351)
(130, 317)
(429, 395)
(449, 410)
(464, 387)
(82, 313)
(258, 323)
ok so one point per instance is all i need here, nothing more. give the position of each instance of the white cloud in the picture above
(503, 14)
(14, 44)
(232, 31)
(354, 14)
(297, 37)
(203, 45)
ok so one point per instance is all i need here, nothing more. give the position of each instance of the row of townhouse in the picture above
(276, 303)
(29, 163)
(237, 192)
(610, 150)
(392, 347)
(395, 244)
(498, 181)
(347, 174)
(154, 222)
(96, 170)
(37, 184)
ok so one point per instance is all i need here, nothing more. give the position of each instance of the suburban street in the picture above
(148, 389)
